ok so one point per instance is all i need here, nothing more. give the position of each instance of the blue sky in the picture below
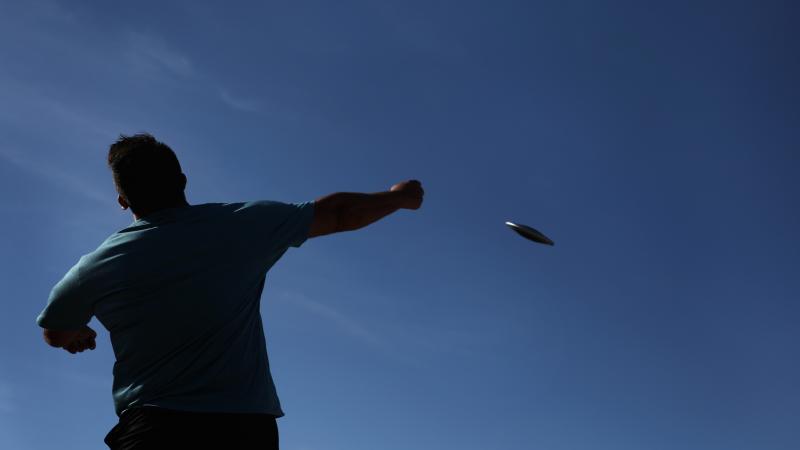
(655, 142)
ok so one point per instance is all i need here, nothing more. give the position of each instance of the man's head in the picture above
(147, 174)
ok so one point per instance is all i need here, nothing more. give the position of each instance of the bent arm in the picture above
(73, 341)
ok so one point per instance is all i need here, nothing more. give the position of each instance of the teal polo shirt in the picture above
(179, 292)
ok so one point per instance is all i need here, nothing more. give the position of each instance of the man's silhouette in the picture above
(179, 292)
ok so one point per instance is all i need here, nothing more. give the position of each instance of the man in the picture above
(179, 292)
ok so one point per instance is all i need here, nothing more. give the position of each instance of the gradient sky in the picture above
(655, 142)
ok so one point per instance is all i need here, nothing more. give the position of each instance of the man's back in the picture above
(179, 291)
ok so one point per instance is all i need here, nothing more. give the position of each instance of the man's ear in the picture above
(122, 202)
(183, 182)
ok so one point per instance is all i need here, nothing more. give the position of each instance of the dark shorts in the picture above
(151, 428)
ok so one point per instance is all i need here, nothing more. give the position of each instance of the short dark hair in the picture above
(146, 172)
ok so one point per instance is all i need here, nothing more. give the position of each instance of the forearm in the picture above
(353, 201)
(357, 210)
(347, 211)
(359, 218)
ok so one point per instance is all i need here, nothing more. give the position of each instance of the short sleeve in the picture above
(67, 308)
(278, 225)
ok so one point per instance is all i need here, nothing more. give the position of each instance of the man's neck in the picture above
(141, 214)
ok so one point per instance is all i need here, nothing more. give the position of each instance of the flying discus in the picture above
(530, 233)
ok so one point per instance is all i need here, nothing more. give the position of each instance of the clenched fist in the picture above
(412, 193)
(84, 340)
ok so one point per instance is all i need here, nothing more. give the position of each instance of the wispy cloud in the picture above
(24, 104)
(47, 27)
(70, 128)
(343, 322)
(153, 54)
(57, 175)
(238, 103)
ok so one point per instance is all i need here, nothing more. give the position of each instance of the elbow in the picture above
(327, 220)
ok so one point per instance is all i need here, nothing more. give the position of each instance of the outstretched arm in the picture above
(346, 211)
